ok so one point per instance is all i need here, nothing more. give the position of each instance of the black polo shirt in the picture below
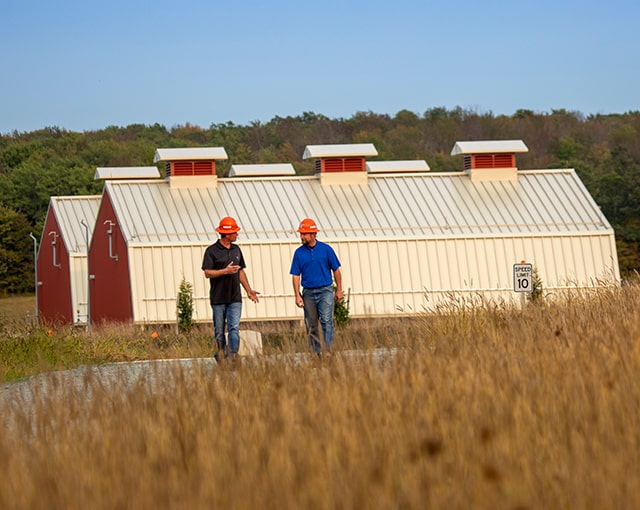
(226, 288)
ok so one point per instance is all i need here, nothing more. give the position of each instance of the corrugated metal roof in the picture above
(416, 165)
(401, 205)
(339, 150)
(69, 213)
(265, 170)
(489, 146)
(190, 153)
(126, 172)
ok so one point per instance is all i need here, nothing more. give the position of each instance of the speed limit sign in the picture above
(522, 277)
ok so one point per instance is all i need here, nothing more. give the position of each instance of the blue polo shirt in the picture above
(314, 265)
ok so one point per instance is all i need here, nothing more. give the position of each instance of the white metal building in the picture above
(407, 240)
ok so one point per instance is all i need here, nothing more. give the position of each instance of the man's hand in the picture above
(232, 268)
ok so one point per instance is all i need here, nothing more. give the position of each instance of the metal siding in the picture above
(388, 253)
(339, 150)
(165, 287)
(54, 281)
(110, 290)
(599, 260)
(268, 169)
(610, 257)
(415, 252)
(565, 265)
(155, 287)
(190, 153)
(417, 165)
(66, 214)
(158, 273)
(605, 267)
(352, 280)
(384, 277)
(581, 265)
(273, 281)
(467, 264)
(552, 261)
(388, 206)
(585, 252)
(488, 146)
(399, 237)
(563, 206)
(127, 172)
(79, 291)
(442, 263)
(568, 275)
(396, 270)
(280, 287)
(267, 270)
(69, 212)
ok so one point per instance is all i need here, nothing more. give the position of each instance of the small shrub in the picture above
(535, 296)
(341, 311)
(185, 307)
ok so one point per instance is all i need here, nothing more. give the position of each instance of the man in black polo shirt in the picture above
(224, 265)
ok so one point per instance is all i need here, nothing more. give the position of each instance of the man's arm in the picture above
(217, 273)
(253, 295)
(337, 275)
(296, 290)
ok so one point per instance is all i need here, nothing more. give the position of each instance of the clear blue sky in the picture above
(84, 65)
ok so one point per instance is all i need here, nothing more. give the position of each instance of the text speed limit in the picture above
(522, 277)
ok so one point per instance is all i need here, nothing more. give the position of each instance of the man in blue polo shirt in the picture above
(311, 267)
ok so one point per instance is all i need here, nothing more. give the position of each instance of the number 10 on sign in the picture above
(522, 277)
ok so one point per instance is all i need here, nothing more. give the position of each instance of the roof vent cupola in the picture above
(191, 167)
(341, 163)
(490, 160)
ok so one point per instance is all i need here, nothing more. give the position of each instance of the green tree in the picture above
(185, 306)
(604, 150)
(16, 253)
(341, 311)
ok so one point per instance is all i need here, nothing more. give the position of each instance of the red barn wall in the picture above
(109, 288)
(54, 289)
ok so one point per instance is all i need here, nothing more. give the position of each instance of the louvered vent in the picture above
(180, 168)
(340, 165)
(504, 160)
(204, 168)
(489, 161)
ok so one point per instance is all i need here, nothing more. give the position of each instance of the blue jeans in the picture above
(318, 307)
(227, 315)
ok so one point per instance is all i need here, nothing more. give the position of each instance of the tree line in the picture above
(604, 149)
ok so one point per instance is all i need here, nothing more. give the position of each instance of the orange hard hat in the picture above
(308, 226)
(228, 225)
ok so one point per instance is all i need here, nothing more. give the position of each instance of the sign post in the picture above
(523, 279)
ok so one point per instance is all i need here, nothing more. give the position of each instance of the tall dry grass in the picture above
(490, 407)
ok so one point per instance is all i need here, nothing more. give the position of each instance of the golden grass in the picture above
(479, 408)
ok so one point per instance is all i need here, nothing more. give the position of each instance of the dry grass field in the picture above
(489, 407)
(19, 308)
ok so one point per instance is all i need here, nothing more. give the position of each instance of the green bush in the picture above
(536, 283)
(341, 311)
(185, 307)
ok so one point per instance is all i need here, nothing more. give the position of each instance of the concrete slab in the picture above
(250, 343)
